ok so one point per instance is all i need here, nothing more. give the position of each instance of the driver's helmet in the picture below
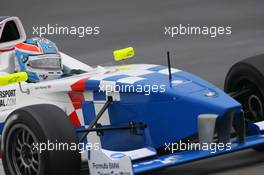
(40, 58)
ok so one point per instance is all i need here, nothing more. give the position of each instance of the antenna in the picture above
(169, 65)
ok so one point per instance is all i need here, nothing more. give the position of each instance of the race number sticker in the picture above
(7, 98)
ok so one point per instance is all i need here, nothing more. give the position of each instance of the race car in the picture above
(134, 118)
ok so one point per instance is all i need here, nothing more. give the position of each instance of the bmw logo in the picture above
(117, 155)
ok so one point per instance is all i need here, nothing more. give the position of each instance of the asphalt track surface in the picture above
(140, 23)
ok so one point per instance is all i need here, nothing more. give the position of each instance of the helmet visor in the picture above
(48, 61)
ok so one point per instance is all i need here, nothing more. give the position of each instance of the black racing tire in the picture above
(249, 74)
(39, 124)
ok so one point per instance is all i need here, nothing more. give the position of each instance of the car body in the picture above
(171, 112)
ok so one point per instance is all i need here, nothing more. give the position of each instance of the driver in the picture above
(39, 58)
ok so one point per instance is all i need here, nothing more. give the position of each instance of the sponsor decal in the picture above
(168, 160)
(24, 59)
(109, 168)
(101, 164)
(43, 76)
(43, 87)
(8, 97)
(108, 165)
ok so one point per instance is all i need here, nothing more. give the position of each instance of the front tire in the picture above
(39, 124)
(248, 74)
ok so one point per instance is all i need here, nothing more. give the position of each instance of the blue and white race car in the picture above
(118, 120)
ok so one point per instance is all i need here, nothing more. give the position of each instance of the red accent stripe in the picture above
(29, 47)
(7, 50)
(74, 119)
(76, 98)
(79, 85)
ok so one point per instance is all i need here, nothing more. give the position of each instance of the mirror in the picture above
(123, 54)
(13, 78)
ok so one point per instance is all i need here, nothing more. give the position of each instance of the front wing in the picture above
(120, 164)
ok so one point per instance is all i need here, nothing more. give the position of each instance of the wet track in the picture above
(140, 23)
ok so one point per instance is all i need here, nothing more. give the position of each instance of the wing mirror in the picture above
(123, 54)
(13, 78)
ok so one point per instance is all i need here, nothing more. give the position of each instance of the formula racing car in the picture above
(134, 118)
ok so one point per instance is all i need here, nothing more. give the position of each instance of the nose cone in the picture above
(214, 97)
(200, 94)
(176, 115)
(212, 101)
(171, 113)
(186, 87)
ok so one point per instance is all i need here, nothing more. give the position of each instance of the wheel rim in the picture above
(252, 103)
(22, 158)
(255, 107)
